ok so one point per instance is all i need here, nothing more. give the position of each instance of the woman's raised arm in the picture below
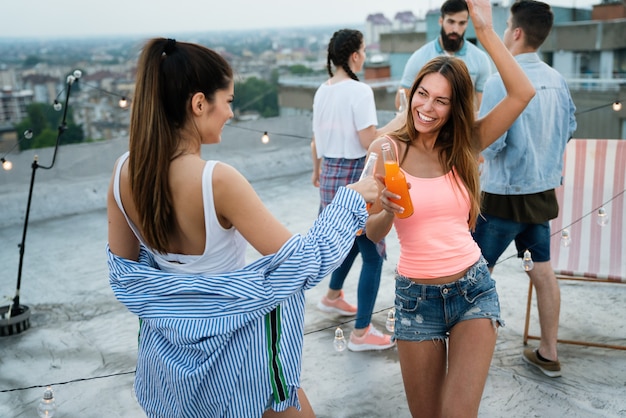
(519, 89)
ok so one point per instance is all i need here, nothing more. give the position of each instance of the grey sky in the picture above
(61, 18)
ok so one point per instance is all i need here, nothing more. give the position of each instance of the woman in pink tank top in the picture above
(447, 309)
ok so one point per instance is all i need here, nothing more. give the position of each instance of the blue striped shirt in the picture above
(205, 348)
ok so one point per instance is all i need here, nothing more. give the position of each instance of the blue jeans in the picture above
(369, 280)
(429, 312)
(493, 235)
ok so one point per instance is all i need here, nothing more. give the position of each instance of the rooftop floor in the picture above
(83, 342)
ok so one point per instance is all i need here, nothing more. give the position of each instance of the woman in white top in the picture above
(344, 126)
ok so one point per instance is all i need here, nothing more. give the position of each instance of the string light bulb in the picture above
(265, 138)
(527, 261)
(617, 105)
(340, 342)
(72, 78)
(565, 238)
(123, 103)
(57, 106)
(6, 164)
(391, 320)
(603, 218)
(47, 406)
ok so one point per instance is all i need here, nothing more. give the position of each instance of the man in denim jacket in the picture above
(522, 169)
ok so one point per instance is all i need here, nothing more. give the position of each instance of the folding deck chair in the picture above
(594, 180)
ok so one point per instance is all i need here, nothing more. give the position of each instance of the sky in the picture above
(71, 18)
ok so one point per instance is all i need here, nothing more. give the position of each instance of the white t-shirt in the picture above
(340, 111)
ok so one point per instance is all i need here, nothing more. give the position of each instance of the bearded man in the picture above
(453, 21)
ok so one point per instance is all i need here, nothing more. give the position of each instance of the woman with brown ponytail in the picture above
(218, 338)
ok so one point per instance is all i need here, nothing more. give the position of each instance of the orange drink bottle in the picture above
(368, 170)
(396, 182)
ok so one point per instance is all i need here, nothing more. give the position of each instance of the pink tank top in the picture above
(435, 241)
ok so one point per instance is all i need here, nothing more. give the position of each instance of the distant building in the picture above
(405, 22)
(44, 87)
(13, 104)
(376, 24)
(8, 138)
(609, 9)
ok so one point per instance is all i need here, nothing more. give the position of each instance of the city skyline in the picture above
(64, 18)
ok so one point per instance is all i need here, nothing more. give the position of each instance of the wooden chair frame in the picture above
(527, 336)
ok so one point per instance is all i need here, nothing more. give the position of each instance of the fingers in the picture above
(388, 204)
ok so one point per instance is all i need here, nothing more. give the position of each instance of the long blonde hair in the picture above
(458, 149)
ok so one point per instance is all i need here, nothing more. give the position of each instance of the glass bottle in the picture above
(370, 165)
(403, 101)
(368, 170)
(339, 342)
(396, 182)
(47, 406)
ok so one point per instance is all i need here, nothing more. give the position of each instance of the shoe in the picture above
(372, 340)
(549, 368)
(337, 306)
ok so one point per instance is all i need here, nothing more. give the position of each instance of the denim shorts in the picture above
(493, 235)
(428, 312)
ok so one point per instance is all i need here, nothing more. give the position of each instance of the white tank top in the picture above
(224, 249)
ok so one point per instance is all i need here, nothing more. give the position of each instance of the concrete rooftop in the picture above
(83, 342)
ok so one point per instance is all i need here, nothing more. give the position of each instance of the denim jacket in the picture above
(528, 158)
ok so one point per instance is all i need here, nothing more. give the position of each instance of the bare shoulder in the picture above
(228, 181)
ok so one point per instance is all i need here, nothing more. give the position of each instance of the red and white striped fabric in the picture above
(594, 177)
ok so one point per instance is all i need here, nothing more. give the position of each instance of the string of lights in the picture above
(18, 315)
(616, 105)
(124, 101)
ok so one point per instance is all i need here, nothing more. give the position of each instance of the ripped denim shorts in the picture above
(428, 312)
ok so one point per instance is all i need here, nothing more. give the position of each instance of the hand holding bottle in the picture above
(366, 187)
(396, 188)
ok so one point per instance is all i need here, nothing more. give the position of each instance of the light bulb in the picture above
(71, 79)
(340, 341)
(391, 320)
(77, 74)
(565, 238)
(603, 218)
(527, 262)
(57, 106)
(123, 103)
(28, 134)
(617, 105)
(6, 164)
(47, 406)
(265, 138)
